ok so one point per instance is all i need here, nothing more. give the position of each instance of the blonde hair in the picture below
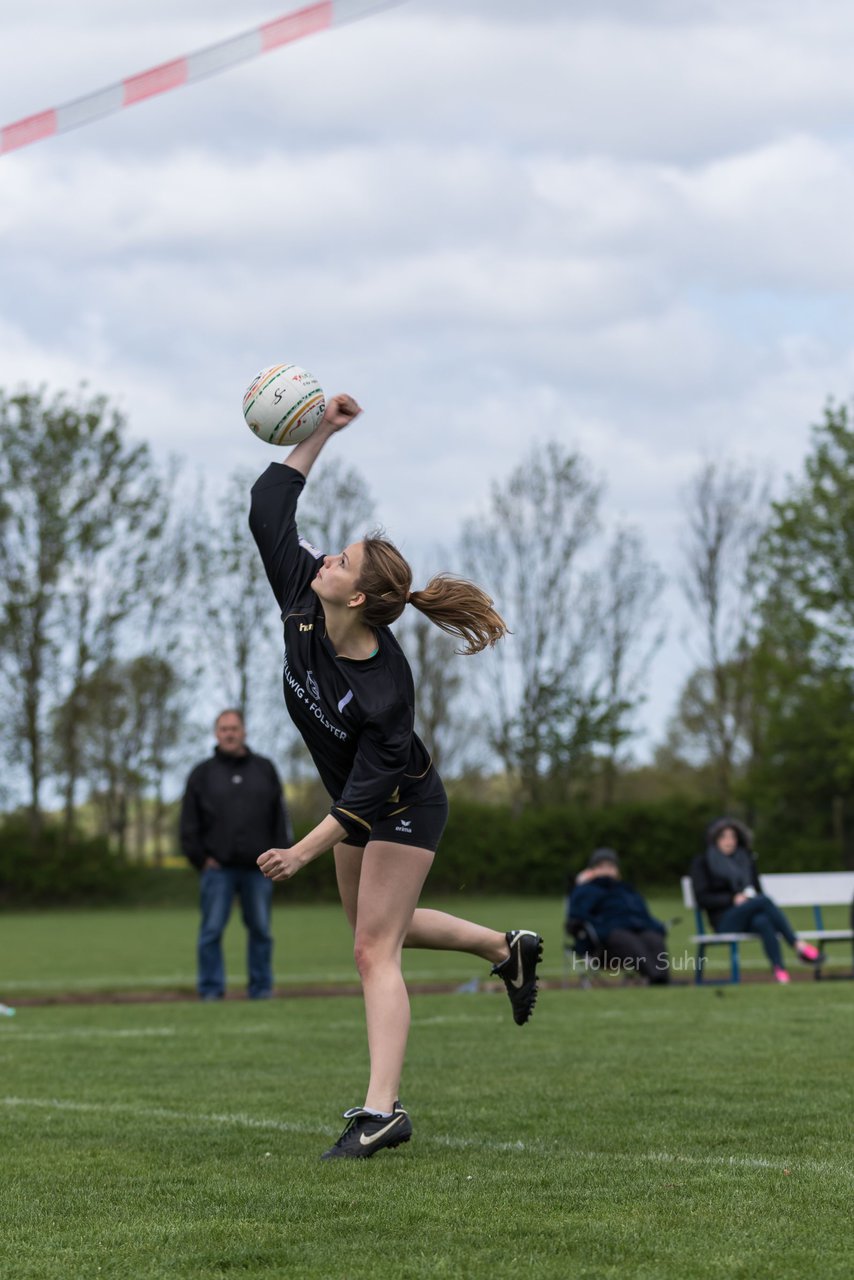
(458, 606)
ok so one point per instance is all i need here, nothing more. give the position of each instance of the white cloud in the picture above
(624, 226)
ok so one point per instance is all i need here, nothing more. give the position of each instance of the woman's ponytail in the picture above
(459, 607)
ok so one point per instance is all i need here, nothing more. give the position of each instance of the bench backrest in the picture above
(796, 889)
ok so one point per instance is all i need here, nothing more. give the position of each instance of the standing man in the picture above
(233, 810)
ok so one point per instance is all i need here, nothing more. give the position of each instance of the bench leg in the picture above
(734, 968)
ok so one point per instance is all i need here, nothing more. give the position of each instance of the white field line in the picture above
(238, 1120)
(88, 1033)
(15, 1032)
(323, 977)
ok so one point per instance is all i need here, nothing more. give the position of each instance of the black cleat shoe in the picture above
(365, 1134)
(519, 972)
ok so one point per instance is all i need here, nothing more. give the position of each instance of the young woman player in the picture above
(349, 691)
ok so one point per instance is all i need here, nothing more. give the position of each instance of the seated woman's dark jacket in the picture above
(714, 893)
(607, 904)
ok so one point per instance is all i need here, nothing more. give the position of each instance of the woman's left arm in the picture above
(282, 864)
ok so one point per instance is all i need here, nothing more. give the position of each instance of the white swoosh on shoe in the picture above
(519, 979)
(366, 1139)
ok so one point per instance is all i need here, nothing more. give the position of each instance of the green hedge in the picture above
(52, 869)
(486, 849)
(491, 849)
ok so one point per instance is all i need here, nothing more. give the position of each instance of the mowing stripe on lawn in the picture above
(327, 977)
(15, 1033)
(539, 1149)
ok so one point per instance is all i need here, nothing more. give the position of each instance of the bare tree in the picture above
(438, 676)
(542, 699)
(726, 506)
(337, 506)
(232, 612)
(631, 630)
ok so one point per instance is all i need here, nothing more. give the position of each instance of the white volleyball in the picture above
(283, 404)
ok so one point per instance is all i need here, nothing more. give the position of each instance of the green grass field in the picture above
(660, 1134)
(153, 949)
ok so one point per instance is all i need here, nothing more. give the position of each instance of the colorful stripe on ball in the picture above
(294, 417)
(264, 379)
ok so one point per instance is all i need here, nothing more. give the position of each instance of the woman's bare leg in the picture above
(429, 930)
(438, 931)
(390, 883)
(348, 869)
(380, 886)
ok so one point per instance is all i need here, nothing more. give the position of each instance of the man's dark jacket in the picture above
(607, 903)
(233, 810)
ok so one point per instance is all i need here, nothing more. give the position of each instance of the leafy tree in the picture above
(810, 544)
(79, 513)
(801, 778)
(130, 719)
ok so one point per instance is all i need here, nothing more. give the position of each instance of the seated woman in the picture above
(607, 908)
(726, 886)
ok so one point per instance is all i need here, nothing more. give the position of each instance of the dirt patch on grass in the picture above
(316, 991)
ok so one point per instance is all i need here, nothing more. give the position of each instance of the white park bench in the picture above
(814, 889)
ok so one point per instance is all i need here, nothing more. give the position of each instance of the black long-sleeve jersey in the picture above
(355, 716)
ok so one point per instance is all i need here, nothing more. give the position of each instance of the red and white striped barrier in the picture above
(180, 71)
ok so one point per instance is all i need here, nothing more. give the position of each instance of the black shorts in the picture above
(418, 825)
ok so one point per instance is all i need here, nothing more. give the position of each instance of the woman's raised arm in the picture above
(341, 410)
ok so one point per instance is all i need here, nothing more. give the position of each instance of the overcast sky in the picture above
(625, 224)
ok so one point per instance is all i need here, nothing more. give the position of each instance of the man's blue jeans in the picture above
(218, 890)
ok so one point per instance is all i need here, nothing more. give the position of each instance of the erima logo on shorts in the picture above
(403, 827)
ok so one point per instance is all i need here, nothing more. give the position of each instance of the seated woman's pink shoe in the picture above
(781, 975)
(807, 952)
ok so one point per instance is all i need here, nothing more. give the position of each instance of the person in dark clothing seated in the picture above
(605, 912)
(726, 886)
